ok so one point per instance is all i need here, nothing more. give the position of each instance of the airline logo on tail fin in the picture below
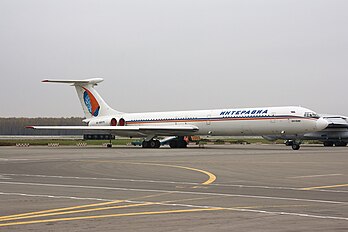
(91, 102)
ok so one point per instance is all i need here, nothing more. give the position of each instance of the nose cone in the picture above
(321, 124)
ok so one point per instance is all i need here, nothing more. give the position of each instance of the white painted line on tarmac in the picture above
(173, 182)
(56, 197)
(291, 214)
(314, 176)
(178, 192)
(239, 209)
(96, 178)
(6, 160)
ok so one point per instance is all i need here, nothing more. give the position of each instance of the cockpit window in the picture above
(311, 115)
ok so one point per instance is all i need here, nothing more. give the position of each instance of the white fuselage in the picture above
(230, 122)
(101, 118)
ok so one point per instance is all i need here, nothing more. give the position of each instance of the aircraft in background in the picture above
(221, 122)
(336, 133)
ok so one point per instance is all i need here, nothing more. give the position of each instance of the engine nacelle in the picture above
(122, 122)
(107, 121)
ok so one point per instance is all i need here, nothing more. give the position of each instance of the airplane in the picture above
(336, 133)
(220, 122)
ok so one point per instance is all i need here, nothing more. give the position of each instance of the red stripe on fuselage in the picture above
(217, 119)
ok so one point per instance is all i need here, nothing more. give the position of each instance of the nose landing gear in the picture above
(295, 145)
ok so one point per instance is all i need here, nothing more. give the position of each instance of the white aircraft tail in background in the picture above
(220, 122)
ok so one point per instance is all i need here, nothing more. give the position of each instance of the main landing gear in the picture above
(328, 144)
(336, 143)
(153, 143)
(295, 145)
(109, 145)
(340, 144)
(178, 142)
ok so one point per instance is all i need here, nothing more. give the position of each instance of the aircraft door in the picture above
(272, 119)
(208, 119)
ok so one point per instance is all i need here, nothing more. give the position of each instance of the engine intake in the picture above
(122, 122)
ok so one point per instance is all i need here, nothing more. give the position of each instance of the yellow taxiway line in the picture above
(3, 218)
(109, 216)
(139, 213)
(325, 187)
(69, 210)
(210, 180)
(81, 208)
(43, 212)
(76, 211)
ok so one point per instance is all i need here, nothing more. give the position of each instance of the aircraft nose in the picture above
(321, 124)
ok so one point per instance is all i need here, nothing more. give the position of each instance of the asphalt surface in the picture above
(218, 188)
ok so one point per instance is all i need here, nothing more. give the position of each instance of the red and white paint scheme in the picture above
(220, 122)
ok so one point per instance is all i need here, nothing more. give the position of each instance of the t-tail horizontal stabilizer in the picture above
(92, 103)
(91, 81)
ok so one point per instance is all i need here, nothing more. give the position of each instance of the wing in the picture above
(336, 121)
(128, 130)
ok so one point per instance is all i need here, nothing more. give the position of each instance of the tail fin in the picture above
(92, 103)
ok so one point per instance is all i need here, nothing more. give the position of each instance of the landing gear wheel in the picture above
(295, 146)
(151, 144)
(145, 144)
(328, 144)
(109, 145)
(178, 143)
(158, 144)
(340, 144)
(173, 144)
(182, 144)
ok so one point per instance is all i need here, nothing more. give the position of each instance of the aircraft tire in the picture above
(328, 144)
(173, 144)
(183, 144)
(340, 144)
(295, 146)
(152, 143)
(178, 143)
(158, 144)
(145, 144)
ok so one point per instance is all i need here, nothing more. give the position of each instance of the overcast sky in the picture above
(158, 55)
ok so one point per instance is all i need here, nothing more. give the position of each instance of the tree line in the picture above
(17, 126)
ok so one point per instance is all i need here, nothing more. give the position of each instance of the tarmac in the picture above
(218, 188)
